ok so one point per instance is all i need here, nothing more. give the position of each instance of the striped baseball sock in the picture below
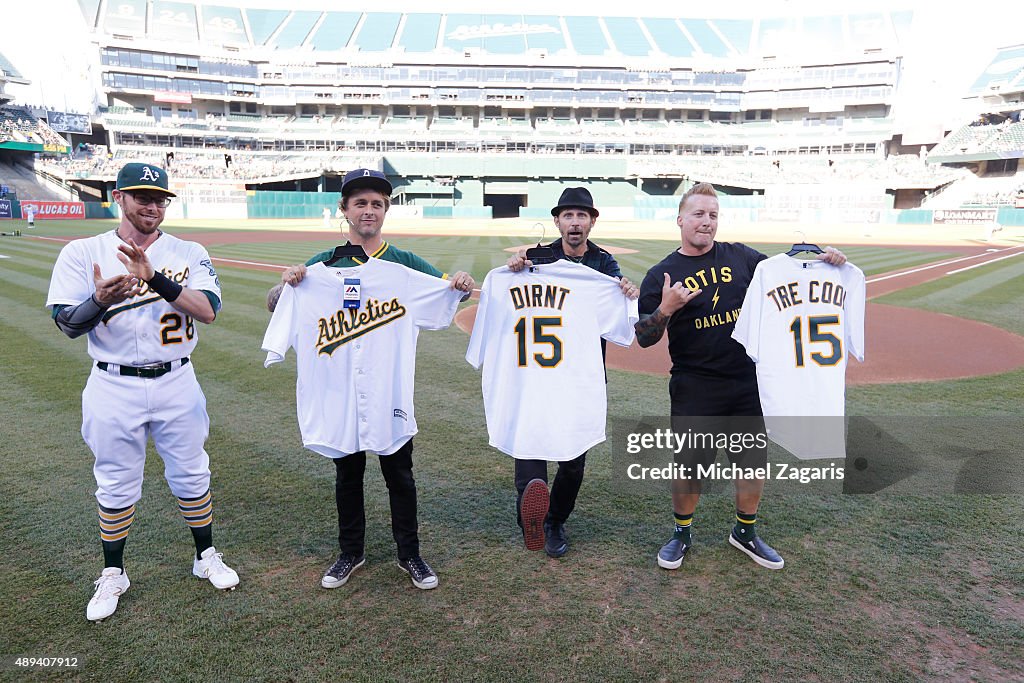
(114, 526)
(745, 524)
(683, 523)
(198, 514)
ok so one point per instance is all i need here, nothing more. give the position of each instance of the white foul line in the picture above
(251, 263)
(940, 264)
(978, 265)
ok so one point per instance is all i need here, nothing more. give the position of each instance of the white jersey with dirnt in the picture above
(145, 329)
(356, 367)
(800, 322)
(538, 337)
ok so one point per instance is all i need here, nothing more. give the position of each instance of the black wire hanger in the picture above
(539, 254)
(346, 250)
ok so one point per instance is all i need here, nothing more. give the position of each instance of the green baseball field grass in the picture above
(876, 587)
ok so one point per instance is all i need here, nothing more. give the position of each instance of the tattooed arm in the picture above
(673, 297)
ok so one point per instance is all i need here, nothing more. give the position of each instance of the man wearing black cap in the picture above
(148, 289)
(365, 199)
(574, 216)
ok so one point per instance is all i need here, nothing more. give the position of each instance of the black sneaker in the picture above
(758, 551)
(341, 570)
(672, 553)
(420, 572)
(555, 542)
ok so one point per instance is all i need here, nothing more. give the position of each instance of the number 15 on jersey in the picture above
(546, 347)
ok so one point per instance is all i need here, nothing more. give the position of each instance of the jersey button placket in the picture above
(362, 408)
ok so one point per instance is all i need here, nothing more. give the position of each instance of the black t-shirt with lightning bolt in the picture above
(700, 334)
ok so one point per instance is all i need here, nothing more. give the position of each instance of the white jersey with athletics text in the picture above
(356, 366)
(538, 337)
(799, 323)
(145, 329)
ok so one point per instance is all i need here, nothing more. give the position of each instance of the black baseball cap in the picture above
(137, 176)
(363, 178)
(576, 198)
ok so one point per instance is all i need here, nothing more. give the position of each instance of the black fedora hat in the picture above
(575, 198)
(361, 178)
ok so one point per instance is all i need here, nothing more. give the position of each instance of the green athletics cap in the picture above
(136, 176)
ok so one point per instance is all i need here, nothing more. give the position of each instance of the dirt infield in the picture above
(902, 344)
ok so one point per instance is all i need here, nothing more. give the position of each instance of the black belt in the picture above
(149, 372)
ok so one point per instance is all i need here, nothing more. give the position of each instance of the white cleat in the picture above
(212, 567)
(111, 585)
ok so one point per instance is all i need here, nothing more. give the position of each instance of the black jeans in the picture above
(348, 493)
(567, 484)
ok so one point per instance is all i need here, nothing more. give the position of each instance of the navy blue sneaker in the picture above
(758, 551)
(672, 553)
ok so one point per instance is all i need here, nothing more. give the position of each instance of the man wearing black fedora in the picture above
(574, 216)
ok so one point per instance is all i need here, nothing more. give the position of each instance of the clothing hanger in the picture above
(540, 254)
(346, 250)
(804, 247)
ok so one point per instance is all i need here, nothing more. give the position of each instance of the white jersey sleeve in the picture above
(537, 336)
(71, 282)
(280, 334)
(747, 330)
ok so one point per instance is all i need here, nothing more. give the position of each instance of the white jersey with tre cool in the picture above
(145, 329)
(356, 366)
(538, 336)
(799, 323)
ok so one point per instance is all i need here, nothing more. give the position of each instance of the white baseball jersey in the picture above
(356, 367)
(800, 322)
(145, 329)
(538, 336)
(120, 413)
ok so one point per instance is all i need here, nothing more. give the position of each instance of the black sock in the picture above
(198, 514)
(745, 526)
(683, 523)
(114, 526)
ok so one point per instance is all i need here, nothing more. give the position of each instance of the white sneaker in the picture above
(113, 582)
(212, 567)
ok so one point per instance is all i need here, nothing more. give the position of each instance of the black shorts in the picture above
(721, 411)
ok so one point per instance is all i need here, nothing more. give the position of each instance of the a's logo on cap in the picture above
(150, 174)
(366, 173)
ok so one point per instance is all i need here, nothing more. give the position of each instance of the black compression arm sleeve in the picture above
(164, 286)
(74, 321)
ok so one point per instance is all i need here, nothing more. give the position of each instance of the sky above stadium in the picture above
(945, 52)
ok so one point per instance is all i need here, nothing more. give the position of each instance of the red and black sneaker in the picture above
(532, 510)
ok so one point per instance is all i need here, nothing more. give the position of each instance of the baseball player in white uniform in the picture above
(137, 293)
(800, 322)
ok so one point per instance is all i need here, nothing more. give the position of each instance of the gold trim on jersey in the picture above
(127, 307)
(377, 254)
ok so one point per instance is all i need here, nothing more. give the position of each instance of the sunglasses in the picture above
(147, 199)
